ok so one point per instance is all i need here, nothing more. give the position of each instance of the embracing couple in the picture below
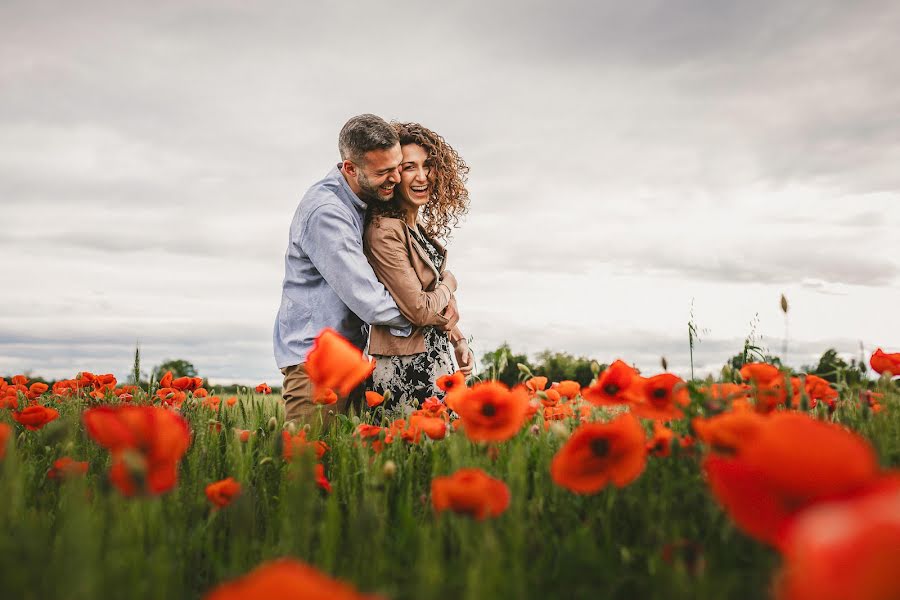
(364, 258)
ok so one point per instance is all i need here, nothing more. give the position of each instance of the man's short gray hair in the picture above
(364, 133)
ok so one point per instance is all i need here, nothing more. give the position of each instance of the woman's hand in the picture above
(464, 357)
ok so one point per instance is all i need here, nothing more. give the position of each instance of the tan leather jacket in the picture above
(403, 266)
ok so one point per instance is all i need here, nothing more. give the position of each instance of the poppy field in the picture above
(765, 483)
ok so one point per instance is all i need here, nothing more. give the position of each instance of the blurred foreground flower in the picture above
(286, 579)
(67, 467)
(146, 443)
(845, 549)
(791, 462)
(335, 363)
(599, 453)
(470, 491)
(221, 493)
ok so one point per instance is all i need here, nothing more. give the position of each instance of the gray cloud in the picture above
(151, 156)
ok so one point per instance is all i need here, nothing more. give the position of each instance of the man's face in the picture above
(379, 173)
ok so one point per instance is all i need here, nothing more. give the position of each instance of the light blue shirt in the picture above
(327, 280)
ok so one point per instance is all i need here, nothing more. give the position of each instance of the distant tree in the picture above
(833, 368)
(559, 366)
(501, 364)
(179, 368)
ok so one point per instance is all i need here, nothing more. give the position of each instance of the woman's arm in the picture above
(388, 254)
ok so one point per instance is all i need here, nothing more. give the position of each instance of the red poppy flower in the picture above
(335, 363)
(187, 384)
(243, 435)
(20, 380)
(725, 392)
(600, 453)
(146, 443)
(619, 384)
(5, 433)
(768, 385)
(263, 388)
(845, 549)
(324, 396)
(286, 578)
(536, 384)
(661, 442)
(221, 493)
(792, 462)
(663, 397)
(491, 412)
(34, 417)
(434, 427)
(296, 445)
(567, 388)
(371, 434)
(451, 382)
(549, 397)
(470, 491)
(36, 389)
(729, 432)
(882, 362)
(67, 467)
(321, 480)
(373, 399)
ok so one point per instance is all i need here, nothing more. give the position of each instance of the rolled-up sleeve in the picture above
(333, 245)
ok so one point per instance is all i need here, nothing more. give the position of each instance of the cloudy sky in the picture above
(630, 163)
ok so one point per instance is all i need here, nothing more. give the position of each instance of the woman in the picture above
(401, 244)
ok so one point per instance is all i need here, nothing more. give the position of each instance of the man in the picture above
(327, 281)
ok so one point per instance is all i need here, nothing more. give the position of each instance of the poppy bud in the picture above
(388, 395)
(264, 460)
(523, 368)
(784, 304)
(664, 363)
(595, 368)
(389, 469)
(535, 430)
(273, 424)
(291, 427)
(559, 430)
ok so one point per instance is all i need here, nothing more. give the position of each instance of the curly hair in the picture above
(449, 197)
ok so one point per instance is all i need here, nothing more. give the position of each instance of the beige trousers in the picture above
(298, 399)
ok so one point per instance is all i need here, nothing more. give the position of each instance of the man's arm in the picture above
(332, 243)
(388, 254)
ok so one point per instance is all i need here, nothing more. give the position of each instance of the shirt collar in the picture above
(351, 195)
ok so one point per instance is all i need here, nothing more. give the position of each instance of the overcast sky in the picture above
(629, 161)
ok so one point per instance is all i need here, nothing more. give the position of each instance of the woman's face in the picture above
(416, 177)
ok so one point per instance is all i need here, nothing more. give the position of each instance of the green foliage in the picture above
(503, 365)
(178, 366)
(560, 366)
(81, 539)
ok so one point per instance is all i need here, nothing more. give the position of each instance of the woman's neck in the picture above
(412, 215)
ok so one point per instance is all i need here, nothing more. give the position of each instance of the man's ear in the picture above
(349, 168)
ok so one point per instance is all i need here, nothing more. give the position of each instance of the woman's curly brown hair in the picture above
(449, 197)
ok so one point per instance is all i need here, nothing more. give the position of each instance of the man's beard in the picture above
(369, 192)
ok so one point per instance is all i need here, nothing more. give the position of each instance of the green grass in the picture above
(82, 539)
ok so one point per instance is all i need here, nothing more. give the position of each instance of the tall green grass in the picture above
(81, 539)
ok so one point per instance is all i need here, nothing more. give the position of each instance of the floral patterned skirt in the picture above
(411, 378)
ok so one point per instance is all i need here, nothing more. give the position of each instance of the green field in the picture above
(663, 536)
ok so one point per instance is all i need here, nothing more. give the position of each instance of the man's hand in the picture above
(451, 314)
(464, 357)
